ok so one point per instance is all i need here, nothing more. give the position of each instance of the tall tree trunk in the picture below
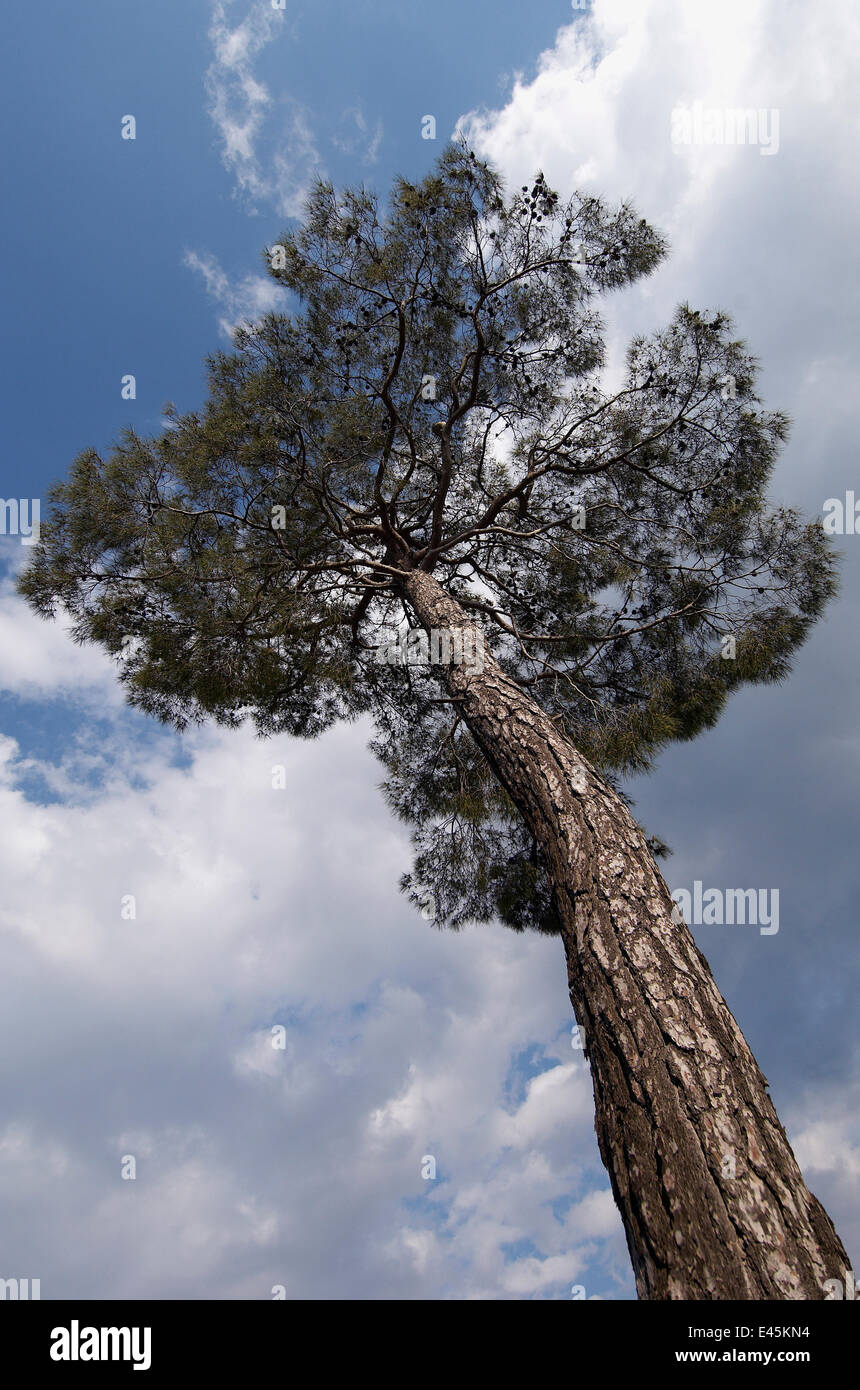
(712, 1199)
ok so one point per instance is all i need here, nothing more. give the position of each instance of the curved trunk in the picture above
(712, 1199)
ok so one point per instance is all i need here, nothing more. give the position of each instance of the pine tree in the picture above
(423, 445)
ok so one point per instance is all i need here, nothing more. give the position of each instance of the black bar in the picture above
(417, 1337)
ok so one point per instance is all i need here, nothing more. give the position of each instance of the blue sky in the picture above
(101, 225)
(255, 907)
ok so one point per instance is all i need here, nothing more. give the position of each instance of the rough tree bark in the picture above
(680, 1102)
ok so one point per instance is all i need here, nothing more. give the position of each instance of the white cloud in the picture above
(242, 301)
(258, 1165)
(824, 1128)
(830, 1146)
(266, 142)
(355, 138)
(598, 115)
(40, 661)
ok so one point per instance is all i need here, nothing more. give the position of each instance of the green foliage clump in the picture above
(433, 399)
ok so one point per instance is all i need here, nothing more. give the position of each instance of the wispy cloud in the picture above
(266, 143)
(356, 138)
(241, 301)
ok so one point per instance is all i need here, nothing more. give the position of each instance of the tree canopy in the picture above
(434, 397)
